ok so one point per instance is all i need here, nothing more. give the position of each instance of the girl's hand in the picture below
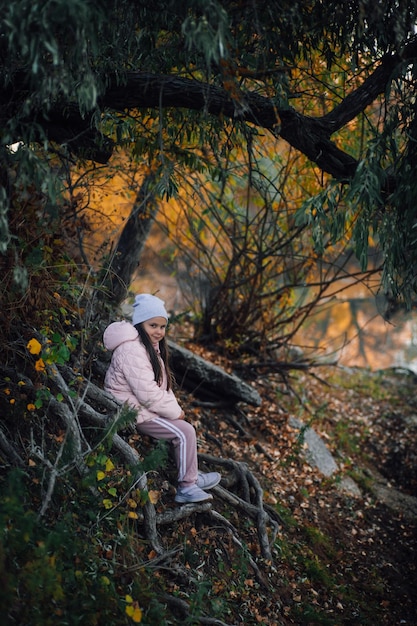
(182, 416)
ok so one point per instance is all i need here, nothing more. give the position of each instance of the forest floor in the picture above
(340, 556)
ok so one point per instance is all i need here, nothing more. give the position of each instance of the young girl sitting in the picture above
(139, 375)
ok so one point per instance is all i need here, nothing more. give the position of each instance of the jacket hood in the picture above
(117, 333)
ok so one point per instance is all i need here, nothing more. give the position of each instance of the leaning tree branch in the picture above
(309, 135)
(357, 101)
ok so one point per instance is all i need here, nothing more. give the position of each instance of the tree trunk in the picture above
(209, 381)
(125, 259)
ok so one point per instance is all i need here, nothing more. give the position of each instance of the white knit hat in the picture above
(147, 306)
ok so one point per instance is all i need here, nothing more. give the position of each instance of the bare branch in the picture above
(9, 450)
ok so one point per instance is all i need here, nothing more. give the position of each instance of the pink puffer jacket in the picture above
(130, 377)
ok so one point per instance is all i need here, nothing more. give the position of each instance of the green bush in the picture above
(66, 570)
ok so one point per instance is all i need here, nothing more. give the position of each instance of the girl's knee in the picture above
(186, 427)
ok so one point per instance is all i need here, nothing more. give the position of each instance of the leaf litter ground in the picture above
(340, 557)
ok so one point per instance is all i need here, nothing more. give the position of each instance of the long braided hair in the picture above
(154, 359)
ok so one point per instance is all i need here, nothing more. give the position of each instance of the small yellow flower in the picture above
(31, 407)
(34, 346)
(12, 400)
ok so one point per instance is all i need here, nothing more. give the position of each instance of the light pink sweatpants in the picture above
(183, 438)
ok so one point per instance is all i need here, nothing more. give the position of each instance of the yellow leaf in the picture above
(109, 465)
(107, 503)
(34, 346)
(137, 615)
(31, 407)
(100, 475)
(132, 503)
(133, 610)
(39, 365)
(133, 515)
(153, 496)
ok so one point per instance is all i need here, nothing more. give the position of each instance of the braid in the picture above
(153, 356)
(163, 346)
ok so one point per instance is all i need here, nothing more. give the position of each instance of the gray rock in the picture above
(317, 454)
(348, 486)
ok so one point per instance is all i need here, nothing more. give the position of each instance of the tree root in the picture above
(235, 538)
(93, 406)
(183, 607)
(251, 503)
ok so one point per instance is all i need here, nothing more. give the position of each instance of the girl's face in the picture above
(155, 328)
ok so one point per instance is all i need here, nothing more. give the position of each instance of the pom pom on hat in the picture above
(147, 306)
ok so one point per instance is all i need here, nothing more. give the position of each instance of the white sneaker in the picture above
(192, 494)
(209, 480)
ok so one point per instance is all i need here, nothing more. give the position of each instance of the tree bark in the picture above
(125, 259)
(208, 380)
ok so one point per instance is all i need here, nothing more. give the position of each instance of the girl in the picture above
(139, 375)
